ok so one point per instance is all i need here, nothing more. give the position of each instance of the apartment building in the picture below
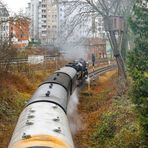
(44, 20)
(81, 24)
(4, 23)
(32, 11)
(48, 22)
(42, 24)
(51, 26)
(99, 28)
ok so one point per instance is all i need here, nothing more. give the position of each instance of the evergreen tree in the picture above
(138, 61)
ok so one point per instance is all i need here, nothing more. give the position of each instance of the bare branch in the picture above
(95, 7)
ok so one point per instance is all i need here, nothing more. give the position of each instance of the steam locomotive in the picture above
(43, 123)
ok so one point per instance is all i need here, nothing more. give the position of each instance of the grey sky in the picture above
(16, 5)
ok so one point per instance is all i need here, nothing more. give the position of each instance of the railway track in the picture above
(97, 72)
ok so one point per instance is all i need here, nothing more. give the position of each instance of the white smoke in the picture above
(72, 113)
(72, 52)
(88, 80)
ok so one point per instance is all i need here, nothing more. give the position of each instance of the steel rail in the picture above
(101, 71)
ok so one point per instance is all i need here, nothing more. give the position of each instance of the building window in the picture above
(7, 28)
(44, 32)
(43, 26)
(43, 6)
(43, 11)
(21, 35)
(11, 35)
(43, 16)
(54, 26)
(99, 29)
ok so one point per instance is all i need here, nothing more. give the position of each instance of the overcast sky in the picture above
(16, 5)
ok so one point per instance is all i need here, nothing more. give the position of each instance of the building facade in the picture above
(32, 11)
(50, 23)
(99, 27)
(4, 22)
(49, 30)
(44, 20)
(96, 46)
(19, 31)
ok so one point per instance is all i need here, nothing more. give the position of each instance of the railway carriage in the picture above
(43, 123)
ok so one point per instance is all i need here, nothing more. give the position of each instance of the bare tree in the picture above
(7, 53)
(8, 50)
(79, 10)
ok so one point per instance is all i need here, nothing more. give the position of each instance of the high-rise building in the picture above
(50, 23)
(44, 20)
(32, 11)
(81, 23)
(4, 23)
(98, 29)
(42, 30)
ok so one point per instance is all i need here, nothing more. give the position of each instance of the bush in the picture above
(118, 127)
(104, 131)
(138, 62)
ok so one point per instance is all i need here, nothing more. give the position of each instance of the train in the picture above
(43, 122)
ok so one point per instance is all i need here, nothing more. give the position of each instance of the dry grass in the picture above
(15, 89)
(109, 120)
(93, 104)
